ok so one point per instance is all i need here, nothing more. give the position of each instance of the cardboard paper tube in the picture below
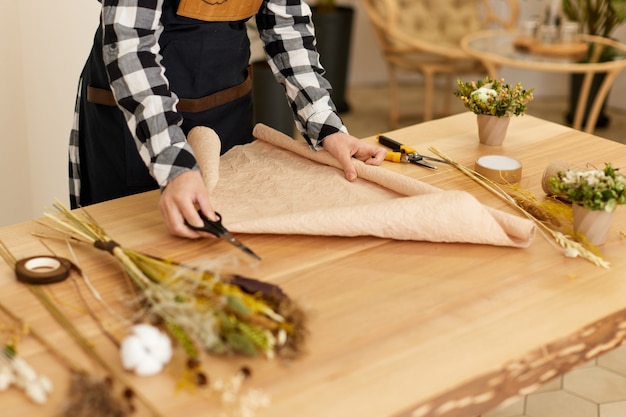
(500, 169)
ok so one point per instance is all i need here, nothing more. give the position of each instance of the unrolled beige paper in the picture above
(278, 185)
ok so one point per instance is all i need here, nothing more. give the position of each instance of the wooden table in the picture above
(497, 48)
(397, 328)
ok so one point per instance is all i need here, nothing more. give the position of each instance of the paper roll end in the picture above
(206, 146)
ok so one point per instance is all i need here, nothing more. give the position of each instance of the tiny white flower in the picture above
(7, 378)
(228, 397)
(484, 94)
(23, 370)
(236, 381)
(36, 393)
(45, 383)
(282, 337)
(593, 180)
(611, 205)
(218, 385)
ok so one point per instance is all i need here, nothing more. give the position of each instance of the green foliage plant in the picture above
(597, 189)
(596, 17)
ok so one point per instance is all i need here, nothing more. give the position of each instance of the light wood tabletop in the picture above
(397, 328)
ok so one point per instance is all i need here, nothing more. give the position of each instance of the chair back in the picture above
(400, 23)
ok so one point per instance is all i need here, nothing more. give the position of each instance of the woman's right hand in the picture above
(180, 201)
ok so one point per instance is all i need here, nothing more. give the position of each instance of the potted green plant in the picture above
(494, 102)
(595, 189)
(598, 18)
(594, 194)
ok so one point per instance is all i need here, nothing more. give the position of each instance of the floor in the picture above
(597, 389)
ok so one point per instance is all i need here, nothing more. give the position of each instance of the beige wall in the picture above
(40, 69)
(50, 41)
(14, 169)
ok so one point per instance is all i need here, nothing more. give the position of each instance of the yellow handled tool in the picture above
(395, 157)
(403, 153)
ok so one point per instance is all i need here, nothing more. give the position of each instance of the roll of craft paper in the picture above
(552, 170)
(500, 169)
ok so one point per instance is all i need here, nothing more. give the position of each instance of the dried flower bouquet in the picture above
(199, 308)
(494, 97)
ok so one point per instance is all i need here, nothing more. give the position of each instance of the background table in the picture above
(397, 328)
(496, 48)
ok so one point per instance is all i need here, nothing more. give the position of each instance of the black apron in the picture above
(200, 58)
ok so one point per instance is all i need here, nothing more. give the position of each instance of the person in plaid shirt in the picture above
(158, 68)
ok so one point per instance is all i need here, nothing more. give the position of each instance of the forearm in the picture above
(131, 55)
(288, 35)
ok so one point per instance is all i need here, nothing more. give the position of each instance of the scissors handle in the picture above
(211, 226)
(215, 228)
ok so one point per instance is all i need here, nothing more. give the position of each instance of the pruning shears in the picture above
(403, 153)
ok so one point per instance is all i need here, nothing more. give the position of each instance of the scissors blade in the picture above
(423, 163)
(237, 243)
(217, 229)
(430, 158)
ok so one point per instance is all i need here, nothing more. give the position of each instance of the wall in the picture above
(41, 65)
(14, 169)
(45, 55)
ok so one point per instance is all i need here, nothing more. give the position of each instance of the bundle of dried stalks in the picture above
(200, 308)
(81, 396)
(543, 218)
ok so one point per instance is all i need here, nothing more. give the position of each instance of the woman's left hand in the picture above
(344, 147)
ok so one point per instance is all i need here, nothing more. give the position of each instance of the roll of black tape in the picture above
(39, 270)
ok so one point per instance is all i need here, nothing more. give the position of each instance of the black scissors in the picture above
(216, 229)
(403, 153)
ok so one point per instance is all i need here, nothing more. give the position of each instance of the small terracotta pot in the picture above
(492, 129)
(594, 225)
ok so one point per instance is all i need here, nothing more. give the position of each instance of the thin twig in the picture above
(69, 327)
(49, 346)
(559, 238)
(84, 344)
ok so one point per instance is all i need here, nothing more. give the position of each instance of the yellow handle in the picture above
(396, 146)
(393, 156)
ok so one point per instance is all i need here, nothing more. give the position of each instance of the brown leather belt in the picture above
(186, 105)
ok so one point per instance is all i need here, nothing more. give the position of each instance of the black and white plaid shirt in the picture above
(131, 54)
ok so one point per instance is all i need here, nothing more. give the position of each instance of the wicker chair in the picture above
(424, 36)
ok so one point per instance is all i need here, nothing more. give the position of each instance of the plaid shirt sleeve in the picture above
(286, 29)
(131, 55)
